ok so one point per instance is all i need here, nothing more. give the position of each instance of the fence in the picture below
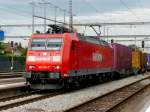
(6, 63)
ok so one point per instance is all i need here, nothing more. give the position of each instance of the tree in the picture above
(20, 45)
(1, 46)
(24, 51)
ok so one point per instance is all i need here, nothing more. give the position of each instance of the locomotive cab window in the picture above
(54, 43)
(38, 44)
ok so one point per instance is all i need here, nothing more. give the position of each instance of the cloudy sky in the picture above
(99, 10)
(20, 11)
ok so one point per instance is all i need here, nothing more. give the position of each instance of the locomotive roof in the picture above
(92, 39)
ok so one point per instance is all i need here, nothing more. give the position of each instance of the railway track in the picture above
(10, 75)
(17, 100)
(9, 102)
(11, 80)
(47, 101)
(109, 101)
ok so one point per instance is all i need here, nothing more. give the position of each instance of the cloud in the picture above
(118, 16)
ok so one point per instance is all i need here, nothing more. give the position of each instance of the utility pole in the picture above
(71, 16)
(45, 16)
(135, 44)
(104, 31)
(33, 8)
(107, 32)
(55, 14)
(64, 17)
(44, 3)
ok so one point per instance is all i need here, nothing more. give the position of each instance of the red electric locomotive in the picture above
(54, 60)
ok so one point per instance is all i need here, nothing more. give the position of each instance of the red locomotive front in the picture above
(44, 53)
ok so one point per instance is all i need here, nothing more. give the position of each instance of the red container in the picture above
(122, 58)
(144, 62)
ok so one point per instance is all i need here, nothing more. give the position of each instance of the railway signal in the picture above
(112, 40)
(12, 44)
(143, 43)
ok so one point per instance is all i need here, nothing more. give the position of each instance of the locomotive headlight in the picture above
(31, 58)
(31, 67)
(56, 67)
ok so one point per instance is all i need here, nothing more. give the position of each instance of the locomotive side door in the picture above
(74, 57)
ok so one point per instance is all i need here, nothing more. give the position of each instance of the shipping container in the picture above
(139, 61)
(122, 58)
(144, 62)
(148, 61)
(136, 61)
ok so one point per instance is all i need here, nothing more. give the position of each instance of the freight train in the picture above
(59, 59)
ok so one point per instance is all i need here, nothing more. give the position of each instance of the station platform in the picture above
(12, 85)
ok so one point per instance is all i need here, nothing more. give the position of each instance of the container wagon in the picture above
(122, 62)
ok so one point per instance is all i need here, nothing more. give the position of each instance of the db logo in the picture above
(96, 57)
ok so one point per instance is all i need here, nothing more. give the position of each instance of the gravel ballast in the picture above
(69, 100)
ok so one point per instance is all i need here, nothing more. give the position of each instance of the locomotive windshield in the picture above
(54, 43)
(46, 44)
(38, 44)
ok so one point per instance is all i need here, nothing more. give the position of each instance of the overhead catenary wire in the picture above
(133, 13)
(95, 9)
(98, 12)
(90, 5)
(141, 5)
(143, 10)
(64, 11)
(23, 13)
(130, 10)
(61, 9)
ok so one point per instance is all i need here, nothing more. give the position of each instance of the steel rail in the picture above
(80, 105)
